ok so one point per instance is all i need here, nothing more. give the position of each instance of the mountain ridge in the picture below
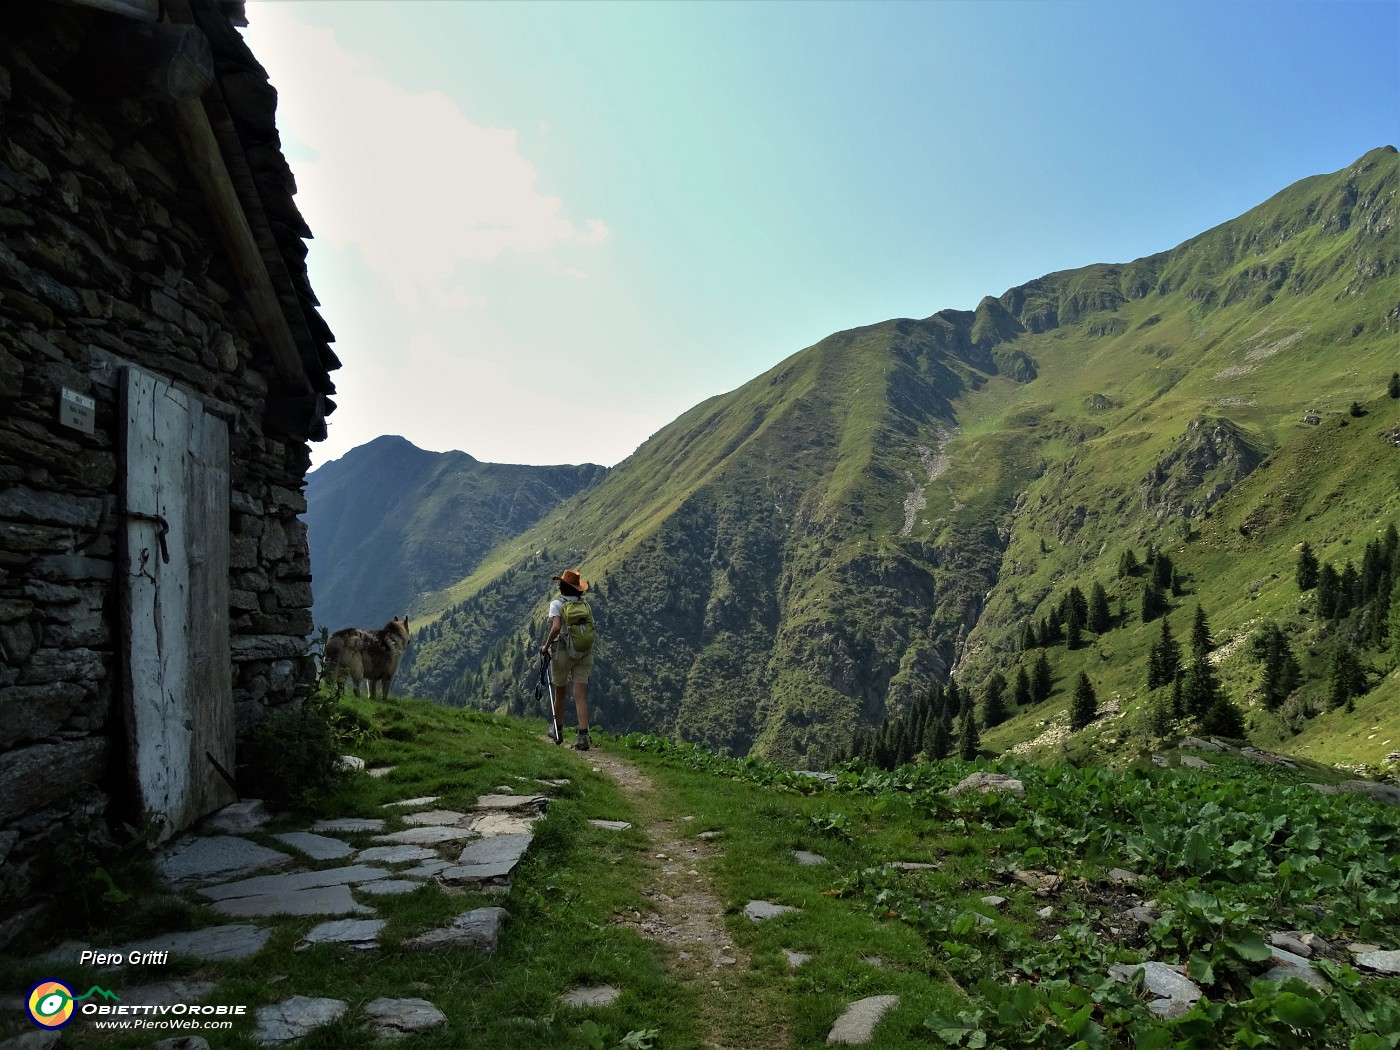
(763, 581)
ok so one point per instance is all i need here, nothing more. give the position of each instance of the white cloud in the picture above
(417, 188)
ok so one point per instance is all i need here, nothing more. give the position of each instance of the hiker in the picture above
(570, 652)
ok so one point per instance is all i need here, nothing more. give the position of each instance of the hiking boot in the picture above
(555, 734)
(582, 744)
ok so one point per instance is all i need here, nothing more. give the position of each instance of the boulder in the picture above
(986, 782)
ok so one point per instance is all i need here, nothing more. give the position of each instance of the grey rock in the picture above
(585, 995)
(426, 870)
(296, 880)
(426, 800)
(806, 859)
(757, 911)
(1385, 962)
(381, 771)
(795, 959)
(352, 762)
(318, 900)
(1387, 793)
(1197, 744)
(389, 887)
(317, 847)
(488, 859)
(217, 857)
(355, 933)
(427, 836)
(1292, 943)
(394, 854)
(710, 836)
(167, 993)
(538, 803)
(246, 815)
(293, 1018)
(1161, 761)
(1325, 789)
(611, 825)
(987, 782)
(910, 865)
(1046, 912)
(1122, 875)
(348, 825)
(1168, 1009)
(993, 900)
(478, 930)
(825, 778)
(37, 1040)
(212, 944)
(1159, 979)
(397, 1018)
(499, 823)
(183, 1042)
(1286, 965)
(1195, 762)
(441, 817)
(1141, 914)
(856, 1026)
(873, 960)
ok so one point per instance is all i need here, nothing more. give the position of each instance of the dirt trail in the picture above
(688, 918)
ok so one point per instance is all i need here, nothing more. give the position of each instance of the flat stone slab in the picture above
(247, 815)
(795, 959)
(167, 993)
(807, 859)
(478, 930)
(295, 880)
(760, 910)
(1287, 964)
(293, 1018)
(994, 900)
(427, 836)
(1123, 875)
(1162, 981)
(856, 1026)
(426, 800)
(988, 782)
(611, 825)
(214, 857)
(394, 854)
(354, 933)
(390, 887)
(443, 817)
(380, 771)
(212, 944)
(488, 824)
(348, 825)
(397, 1018)
(825, 778)
(1195, 762)
(426, 870)
(584, 995)
(910, 865)
(1385, 962)
(319, 900)
(538, 803)
(317, 847)
(488, 859)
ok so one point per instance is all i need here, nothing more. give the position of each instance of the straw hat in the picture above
(573, 579)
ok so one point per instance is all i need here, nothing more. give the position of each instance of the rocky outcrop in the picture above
(1200, 467)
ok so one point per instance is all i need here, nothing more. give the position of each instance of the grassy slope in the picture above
(757, 589)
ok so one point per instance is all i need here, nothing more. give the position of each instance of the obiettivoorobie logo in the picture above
(51, 1002)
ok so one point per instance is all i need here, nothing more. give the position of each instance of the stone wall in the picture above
(107, 258)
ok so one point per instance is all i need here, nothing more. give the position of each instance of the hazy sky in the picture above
(545, 230)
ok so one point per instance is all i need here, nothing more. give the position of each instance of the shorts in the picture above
(565, 670)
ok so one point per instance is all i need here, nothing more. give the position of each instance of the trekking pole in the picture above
(545, 687)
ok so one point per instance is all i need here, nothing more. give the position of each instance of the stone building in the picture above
(162, 370)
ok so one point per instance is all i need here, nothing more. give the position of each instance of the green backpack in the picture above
(577, 618)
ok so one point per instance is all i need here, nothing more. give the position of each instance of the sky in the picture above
(544, 230)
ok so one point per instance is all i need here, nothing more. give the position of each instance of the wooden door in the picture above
(179, 688)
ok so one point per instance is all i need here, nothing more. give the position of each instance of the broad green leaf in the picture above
(1198, 966)
(1297, 1012)
(1248, 945)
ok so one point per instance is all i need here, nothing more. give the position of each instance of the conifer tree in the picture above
(1348, 592)
(1127, 564)
(1042, 681)
(1029, 640)
(1201, 687)
(1021, 690)
(1393, 387)
(1328, 583)
(1164, 661)
(1178, 698)
(1281, 671)
(1200, 634)
(994, 700)
(1099, 619)
(952, 700)
(1306, 573)
(1224, 718)
(1159, 715)
(969, 739)
(1346, 677)
(1085, 704)
(1162, 570)
(1154, 601)
(940, 743)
